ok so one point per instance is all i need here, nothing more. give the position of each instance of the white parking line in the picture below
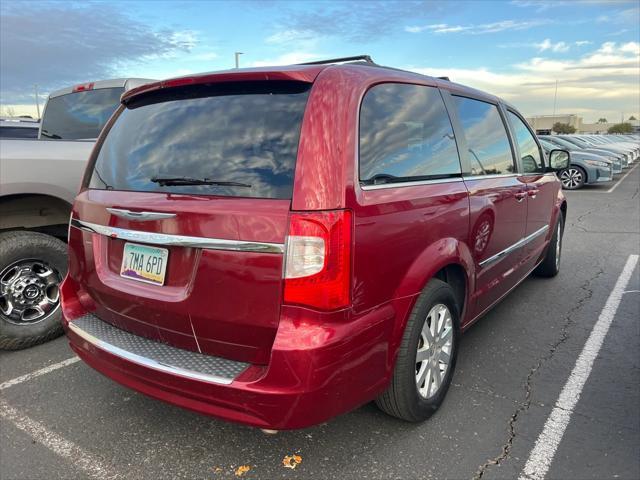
(545, 448)
(37, 373)
(90, 465)
(623, 177)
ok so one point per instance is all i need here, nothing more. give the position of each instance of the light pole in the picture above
(37, 100)
(555, 97)
(237, 55)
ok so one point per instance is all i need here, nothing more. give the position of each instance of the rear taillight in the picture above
(318, 260)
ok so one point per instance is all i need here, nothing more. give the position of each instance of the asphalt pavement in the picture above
(73, 423)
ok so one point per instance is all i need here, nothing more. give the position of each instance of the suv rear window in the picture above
(245, 133)
(80, 115)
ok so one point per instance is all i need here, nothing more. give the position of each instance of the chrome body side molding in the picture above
(519, 244)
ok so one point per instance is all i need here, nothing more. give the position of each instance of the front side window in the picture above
(405, 135)
(79, 115)
(487, 141)
(529, 151)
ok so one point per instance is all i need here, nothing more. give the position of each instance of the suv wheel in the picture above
(550, 266)
(427, 356)
(573, 178)
(32, 266)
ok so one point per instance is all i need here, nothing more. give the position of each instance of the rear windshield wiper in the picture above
(51, 135)
(180, 181)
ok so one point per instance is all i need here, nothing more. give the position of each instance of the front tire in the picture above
(573, 177)
(550, 266)
(427, 356)
(32, 266)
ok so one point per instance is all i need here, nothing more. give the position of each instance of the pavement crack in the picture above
(528, 384)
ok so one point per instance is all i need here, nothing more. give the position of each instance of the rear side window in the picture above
(489, 150)
(80, 115)
(18, 132)
(405, 135)
(529, 151)
(233, 140)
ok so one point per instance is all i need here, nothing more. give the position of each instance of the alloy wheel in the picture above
(434, 351)
(29, 291)
(571, 178)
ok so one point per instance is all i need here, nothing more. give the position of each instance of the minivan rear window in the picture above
(79, 115)
(237, 139)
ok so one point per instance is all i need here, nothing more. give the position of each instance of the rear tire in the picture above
(550, 266)
(407, 397)
(31, 265)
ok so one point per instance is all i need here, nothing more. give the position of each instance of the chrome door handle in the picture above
(520, 197)
(533, 193)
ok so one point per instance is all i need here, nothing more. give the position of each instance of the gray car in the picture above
(583, 143)
(561, 142)
(584, 168)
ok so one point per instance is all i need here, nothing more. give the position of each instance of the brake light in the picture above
(318, 260)
(83, 87)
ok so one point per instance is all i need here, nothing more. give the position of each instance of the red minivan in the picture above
(276, 246)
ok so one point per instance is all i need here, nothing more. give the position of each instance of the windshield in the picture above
(563, 143)
(577, 141)
(79, 115)
(236, 139)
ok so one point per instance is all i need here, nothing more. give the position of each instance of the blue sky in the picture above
(516, 49)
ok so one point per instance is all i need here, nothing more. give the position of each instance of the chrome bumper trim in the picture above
(178, 240)
(155, 355)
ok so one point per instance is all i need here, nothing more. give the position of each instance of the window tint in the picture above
(487, 142)
(18, 132)
(529, 151)
(405, 132)
(80, 115)
(245, 133)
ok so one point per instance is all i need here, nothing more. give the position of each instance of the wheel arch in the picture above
(449, 260)
(31, 211)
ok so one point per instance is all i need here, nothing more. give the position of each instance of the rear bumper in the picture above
(317, 370)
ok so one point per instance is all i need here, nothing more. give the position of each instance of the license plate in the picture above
(144, 263)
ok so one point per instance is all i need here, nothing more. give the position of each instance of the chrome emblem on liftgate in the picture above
(139, 216)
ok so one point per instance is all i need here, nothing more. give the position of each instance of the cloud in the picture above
(484, 28)
(364, 21)
(55, 45)
(547, 44)
(288, 36)
(603, 81)
(581, 43)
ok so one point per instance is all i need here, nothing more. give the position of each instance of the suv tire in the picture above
(403, 399)
(31, 264)
(550, 266)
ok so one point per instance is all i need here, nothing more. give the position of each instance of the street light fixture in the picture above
(237, 55)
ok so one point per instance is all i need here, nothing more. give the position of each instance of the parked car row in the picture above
(594, 158)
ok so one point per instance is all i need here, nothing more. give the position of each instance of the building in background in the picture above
(542, 124)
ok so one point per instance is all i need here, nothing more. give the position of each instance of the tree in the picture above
(602, 120)
(621, 128)
(559, 127)
(632, 118)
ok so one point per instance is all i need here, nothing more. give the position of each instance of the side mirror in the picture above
(558, 160)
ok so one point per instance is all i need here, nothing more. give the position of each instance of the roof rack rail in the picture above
(366, 58)
(445, 78)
